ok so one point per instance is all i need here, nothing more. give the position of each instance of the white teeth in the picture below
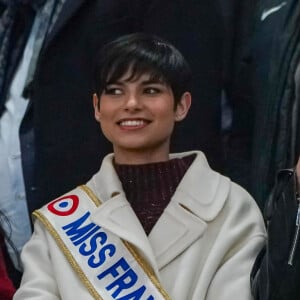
(132, 123)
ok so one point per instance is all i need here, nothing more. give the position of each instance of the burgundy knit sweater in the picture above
(7, 289)
(149, 187)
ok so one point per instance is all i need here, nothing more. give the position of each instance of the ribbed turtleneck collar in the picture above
(149, 187)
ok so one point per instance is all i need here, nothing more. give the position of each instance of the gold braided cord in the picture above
(68, 255)
(132, 249)
(91, 195)
(147, 269)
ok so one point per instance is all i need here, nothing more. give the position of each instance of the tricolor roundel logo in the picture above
(64, 206)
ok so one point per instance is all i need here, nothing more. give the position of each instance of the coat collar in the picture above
(198, 199)
(202, 190)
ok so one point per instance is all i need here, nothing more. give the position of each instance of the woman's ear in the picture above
(183, 106)
(96, 107)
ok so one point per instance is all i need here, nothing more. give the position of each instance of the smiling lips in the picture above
(133, 124)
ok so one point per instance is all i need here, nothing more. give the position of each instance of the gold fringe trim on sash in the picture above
(68, 255)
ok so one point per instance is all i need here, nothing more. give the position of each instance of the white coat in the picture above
(202, 247)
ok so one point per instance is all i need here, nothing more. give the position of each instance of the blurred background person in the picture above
(276, 58)
(269, 123)
(276, 147)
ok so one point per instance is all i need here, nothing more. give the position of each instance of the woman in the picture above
(150, 224)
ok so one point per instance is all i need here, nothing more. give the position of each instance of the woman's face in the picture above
(138, 118)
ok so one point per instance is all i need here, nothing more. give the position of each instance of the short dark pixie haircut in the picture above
(142, 53)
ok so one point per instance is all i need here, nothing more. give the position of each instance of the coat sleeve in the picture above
(240, 239)
(276, 273)
(38, 281)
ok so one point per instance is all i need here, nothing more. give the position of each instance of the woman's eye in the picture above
(112, 91)
(151, 90)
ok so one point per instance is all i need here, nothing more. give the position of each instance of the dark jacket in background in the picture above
(276, 61)
(239, 23)
(276, 53)
(276, 273)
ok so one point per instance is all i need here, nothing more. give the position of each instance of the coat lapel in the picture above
(198, 199)
(174, 232)
(67, 11)
(117, 216)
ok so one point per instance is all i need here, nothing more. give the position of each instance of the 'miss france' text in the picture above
(91, 242)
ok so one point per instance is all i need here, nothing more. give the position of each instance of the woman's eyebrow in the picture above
(144, 82)
(153, 81)
(114, 82)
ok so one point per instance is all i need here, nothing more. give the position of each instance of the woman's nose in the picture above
(133, 102)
